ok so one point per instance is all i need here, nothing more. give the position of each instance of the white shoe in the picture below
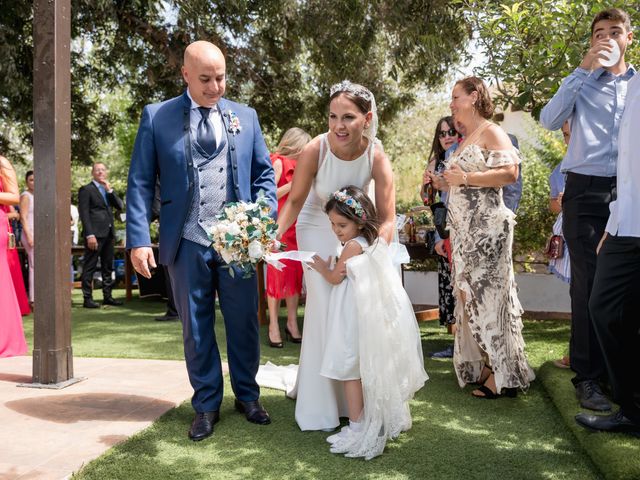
(344, 431)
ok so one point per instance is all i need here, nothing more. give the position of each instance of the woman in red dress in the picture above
(12, 340)
(287, 283)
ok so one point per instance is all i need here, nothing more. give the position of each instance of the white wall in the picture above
(521, 125)
(537, 292)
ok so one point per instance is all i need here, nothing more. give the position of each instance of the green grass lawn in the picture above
(454, 436)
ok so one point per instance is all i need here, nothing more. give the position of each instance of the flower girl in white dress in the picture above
(373, 342)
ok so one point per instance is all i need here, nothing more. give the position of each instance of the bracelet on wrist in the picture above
(465, 179)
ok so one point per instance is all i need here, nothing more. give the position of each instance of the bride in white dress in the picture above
(348, 154)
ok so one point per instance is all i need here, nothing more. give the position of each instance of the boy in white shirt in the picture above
(617, 282)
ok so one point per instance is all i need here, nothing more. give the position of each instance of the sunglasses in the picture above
(452, 132)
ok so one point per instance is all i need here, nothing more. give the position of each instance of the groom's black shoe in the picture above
(254, 412)
(615, 422)
(202, 425)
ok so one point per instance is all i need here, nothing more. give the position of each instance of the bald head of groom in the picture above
(204, 71)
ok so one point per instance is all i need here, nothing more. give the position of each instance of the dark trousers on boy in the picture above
(585, 208)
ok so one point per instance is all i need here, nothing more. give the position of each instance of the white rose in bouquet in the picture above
(256, 252)
(233, 229)
(244, 234)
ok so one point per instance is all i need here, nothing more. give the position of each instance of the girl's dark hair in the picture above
(27, 175)
(367, 221)
(436, 148)
(484, 104)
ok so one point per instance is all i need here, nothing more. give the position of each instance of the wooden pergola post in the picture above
(52, 354)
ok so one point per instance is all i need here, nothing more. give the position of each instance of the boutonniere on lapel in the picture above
(234, 123)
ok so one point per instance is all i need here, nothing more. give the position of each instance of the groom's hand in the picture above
(142, 259)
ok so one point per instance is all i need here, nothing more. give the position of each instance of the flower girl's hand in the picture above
(319, 264)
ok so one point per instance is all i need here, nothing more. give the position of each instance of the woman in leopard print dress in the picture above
(489, 348)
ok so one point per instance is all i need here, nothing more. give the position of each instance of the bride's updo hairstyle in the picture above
(352, 203)
(359, 95)
(484, 104)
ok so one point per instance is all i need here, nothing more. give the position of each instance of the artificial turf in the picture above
(454, 436)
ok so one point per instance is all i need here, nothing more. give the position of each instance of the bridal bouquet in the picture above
(244, 234)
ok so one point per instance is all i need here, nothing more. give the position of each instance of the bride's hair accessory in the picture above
(353, 88)
(352, 203)
(364, 93)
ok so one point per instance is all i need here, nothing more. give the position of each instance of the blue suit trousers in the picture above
(197, 275)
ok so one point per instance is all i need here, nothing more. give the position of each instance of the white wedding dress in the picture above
(320, 400)
(341, 359)
(388, 350)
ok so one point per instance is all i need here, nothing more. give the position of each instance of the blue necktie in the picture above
(206, 137)
(103, 191)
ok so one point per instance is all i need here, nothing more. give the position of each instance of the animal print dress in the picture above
(488, 312)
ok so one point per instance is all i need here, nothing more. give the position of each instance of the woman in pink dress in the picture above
(12, 340)
(14, 265)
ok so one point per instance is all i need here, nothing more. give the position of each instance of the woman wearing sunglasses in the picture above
(444, 138)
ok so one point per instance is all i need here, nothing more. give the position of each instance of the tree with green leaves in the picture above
(531, 46)
(282, 56)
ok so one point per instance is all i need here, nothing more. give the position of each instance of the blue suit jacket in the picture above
(163, 149)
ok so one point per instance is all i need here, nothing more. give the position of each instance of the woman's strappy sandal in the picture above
(489, 394)
(483, 378)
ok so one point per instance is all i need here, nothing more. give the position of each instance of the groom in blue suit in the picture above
(206, 151)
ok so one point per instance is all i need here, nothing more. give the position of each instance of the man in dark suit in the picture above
(206, 151)
(95, 201)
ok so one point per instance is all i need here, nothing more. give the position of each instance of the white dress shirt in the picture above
(75, 230)
(624, 219)
(214, 118)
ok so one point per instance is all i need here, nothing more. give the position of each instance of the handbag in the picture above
(430, 241)
(555, 247)
(11, 238)
(439, 211)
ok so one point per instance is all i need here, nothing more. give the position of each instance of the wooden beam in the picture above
(52, 355)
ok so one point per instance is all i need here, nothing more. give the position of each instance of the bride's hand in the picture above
(277, 246)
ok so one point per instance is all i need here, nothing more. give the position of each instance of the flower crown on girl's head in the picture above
(343, 197)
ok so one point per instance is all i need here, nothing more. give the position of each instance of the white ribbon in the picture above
(273, 259)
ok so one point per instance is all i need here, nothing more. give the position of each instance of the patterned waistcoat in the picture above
(211, 177)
